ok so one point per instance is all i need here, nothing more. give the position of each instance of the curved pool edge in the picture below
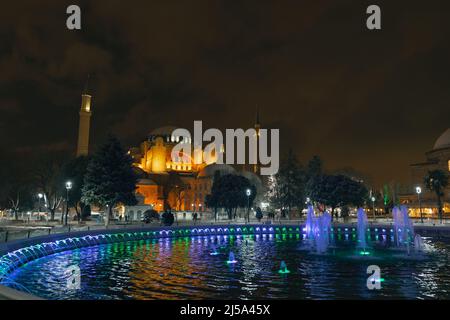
(17, 253)
(7, 293)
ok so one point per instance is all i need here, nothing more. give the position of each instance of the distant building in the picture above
(154, 164)
(437, 158)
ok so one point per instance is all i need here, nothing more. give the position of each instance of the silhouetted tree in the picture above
(314, 171)
(170, 182)
(229, 193)
(339, 191)
(287, 187)
(74, 170)
(436, 181)
(110, 178)
(47, 174)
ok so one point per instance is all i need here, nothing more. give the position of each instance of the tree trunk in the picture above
(52, 214)
(109, 215)
(16, 215)
(78, 213)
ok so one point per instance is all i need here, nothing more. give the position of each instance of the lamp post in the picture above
(68, 187)
(373, 206)
(40, 196)
(249, 193)
(419, 191)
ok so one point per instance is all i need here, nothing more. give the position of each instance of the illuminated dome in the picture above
(209, 170)
(443, 141)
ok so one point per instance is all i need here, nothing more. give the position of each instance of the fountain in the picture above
(231, 259)
(214, 252)
(418, 243)
(404, 229)
(283, 268)
(317, 230)
(361, 228)
(309, 225)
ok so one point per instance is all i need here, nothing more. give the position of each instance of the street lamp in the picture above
(40, 196)
(419, 191)
(373, 206)
(68, 187)
(249, 193)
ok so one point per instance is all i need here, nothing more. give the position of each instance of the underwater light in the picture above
(364, 253)
(283, 268)
(231, 259)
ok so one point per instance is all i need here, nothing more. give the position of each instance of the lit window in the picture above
(448, 165)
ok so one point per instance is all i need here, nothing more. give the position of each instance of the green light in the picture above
(364, 253)
(285, 271)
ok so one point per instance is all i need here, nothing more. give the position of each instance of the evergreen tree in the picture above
(313, 173)
(287, 187)
(110, 178)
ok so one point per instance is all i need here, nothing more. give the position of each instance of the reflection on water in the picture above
(183, 268)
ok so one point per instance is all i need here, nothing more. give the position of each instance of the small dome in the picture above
(443, 141)
(209, 170)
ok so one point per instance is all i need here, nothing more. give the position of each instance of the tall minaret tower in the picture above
(85, 120)
(257, 127)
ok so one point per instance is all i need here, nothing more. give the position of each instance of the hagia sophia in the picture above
(436, 158)
(183, 185)
(189, 183)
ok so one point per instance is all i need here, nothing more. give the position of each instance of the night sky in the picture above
(371, 100)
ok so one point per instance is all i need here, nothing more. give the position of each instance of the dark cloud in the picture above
(375, 101)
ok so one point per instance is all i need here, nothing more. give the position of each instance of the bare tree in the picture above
(48, 179)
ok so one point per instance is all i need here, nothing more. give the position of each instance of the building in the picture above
(182, 183)
(164, 182)
(436, 158)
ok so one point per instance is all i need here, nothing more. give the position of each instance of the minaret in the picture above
(85, 120)
(257, 127)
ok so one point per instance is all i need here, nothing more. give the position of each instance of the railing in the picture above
(12, 233)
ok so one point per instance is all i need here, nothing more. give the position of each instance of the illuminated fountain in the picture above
(283, 268)
(362, 228)
(309, 225)
(214, 252)
(403, 228)
(231, 258)
(318, 231)
(418, 243)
